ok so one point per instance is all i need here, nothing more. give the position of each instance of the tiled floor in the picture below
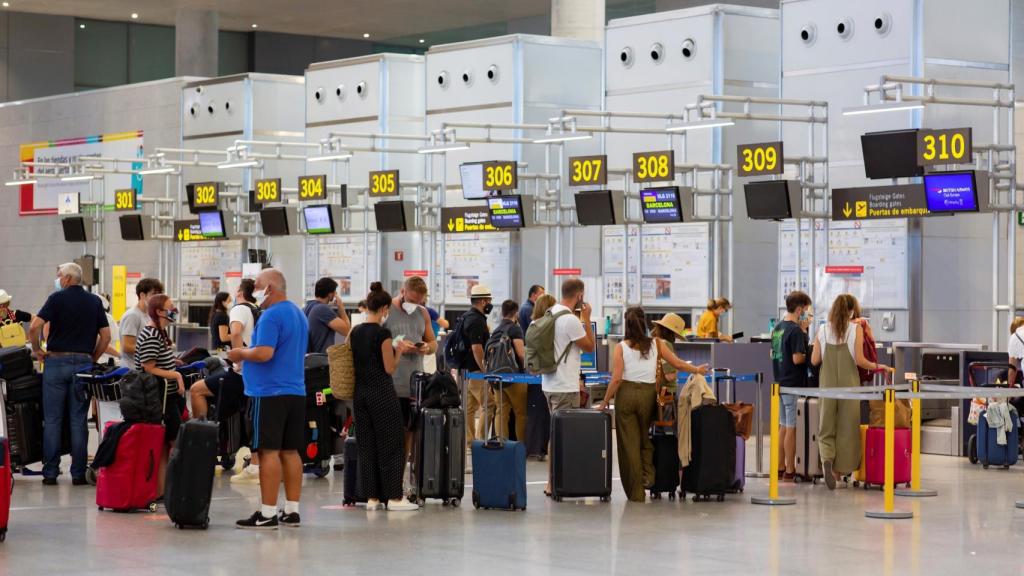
(972, 527)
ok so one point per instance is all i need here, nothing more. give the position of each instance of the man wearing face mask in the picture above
(324, 322)
(132, 321)
(76, 318)
(413, 338)
(475, 332)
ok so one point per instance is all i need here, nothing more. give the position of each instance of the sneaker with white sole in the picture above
(830, 479)
(247, 476)
(374, 504)
(257, 522)
(289, 520)
(402, 505)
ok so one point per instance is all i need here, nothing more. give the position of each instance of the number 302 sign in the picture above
(759, 159)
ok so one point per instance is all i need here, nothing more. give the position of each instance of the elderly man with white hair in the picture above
(79, 334)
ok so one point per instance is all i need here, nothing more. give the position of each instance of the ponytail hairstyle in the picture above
(377, 299)
(220, 304)
(636, 330)
(715, 303)
(156, 304)
(839, 317)
(247, 287)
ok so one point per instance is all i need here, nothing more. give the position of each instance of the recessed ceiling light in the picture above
(135, 16)
(255, 25)
(366, 35)
(82, 26)
(422, 40)
(7, 4)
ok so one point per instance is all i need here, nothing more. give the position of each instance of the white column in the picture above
(580, 19)
(195, 43)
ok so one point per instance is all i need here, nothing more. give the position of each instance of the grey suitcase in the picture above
(581, 445)
(439, 462)
(808, 422)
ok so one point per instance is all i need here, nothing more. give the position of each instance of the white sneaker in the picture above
(374, 504)
(402, 505)
(242, 458)
(246, 476)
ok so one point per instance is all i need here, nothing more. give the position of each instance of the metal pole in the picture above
(773, 457)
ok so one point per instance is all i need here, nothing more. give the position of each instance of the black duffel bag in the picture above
(142, 398)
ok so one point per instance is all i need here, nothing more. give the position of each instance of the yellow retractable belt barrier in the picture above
(915, 449)
(773, 456)
(889, 512)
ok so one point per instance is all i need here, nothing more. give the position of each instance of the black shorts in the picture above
(213, 381)
(408, 413)
(173, 408)
(279, 422)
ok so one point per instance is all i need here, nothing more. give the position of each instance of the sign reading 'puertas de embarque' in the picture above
(879, 202)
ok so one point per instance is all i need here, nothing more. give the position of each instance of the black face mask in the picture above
(488, 307)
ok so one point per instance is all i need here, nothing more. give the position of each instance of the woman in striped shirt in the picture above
(154, 353)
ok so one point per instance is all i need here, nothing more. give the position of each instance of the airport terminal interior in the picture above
(534, 287)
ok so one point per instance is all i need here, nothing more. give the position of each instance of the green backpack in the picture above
(540, 344)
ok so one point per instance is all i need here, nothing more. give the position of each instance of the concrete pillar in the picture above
(580, 19)
(195, 42)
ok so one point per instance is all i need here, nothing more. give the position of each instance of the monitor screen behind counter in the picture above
(890, 154)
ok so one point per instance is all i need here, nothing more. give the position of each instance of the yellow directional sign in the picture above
(466, 219)
(879, 202)
(187, 231)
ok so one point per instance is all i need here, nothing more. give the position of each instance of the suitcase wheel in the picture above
(721, 497)
(100, 508)
(205, 524)
(556, 498)
(856, 483)
(454, 502)
(152, 507)
(972, 449)
(179, 525)
(607, 498)
(476, 500)
(3, 535)
(656, 495)
(985, 466)
(671, 496)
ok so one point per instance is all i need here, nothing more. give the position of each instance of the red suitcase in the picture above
(130, 482)
(5, 486)
(874, 457)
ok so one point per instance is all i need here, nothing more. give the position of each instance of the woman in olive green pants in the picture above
(839, 349)
(633, 385)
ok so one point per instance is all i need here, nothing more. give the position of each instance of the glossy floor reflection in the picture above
(971, 527)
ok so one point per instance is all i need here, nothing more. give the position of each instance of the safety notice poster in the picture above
(346, 258)
(204, 265)
(472, 259)
(675, 265)
(613, 256)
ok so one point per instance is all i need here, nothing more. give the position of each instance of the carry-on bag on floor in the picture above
(989, 451)
(499, 470)
(808, 421)
(27, 388)
(581, 454)
(190, 471)
(538, 422)
(666, 464)
(25, 432)
(739, 478)
(874, 457)
(712, 467)
(319, 442)
(15, 362)
(351, 490)
(439, 456)
(130, 482)
(862, 472)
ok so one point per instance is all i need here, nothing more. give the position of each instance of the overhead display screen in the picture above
(212, 224)
(274, 221)
(891, 154)
(595, 208)
(506, 211)
(661, 205)
(131, 227)
(768, 200)
(318, 219)
(951, 192)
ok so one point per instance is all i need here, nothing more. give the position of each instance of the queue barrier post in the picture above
(915, 489)
(889, 511)
(773, 456)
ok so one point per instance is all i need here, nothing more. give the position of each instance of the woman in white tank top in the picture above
(634, 386)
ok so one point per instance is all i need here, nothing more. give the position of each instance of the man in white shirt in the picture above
(562, 387)
(132, 321)
(1016, 347)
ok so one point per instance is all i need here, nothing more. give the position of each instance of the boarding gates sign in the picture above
(879, 202)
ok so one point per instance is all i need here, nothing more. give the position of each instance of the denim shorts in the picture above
(788, 416)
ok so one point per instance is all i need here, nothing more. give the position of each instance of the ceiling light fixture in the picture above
(135, 16)
(700, 124)
(329, 157)
(251, 163)
(77, 178)
(156, 170)
(255, 25)
(82, 26)
(7, 4)
(366, 35)
(888, 106)
(567, 137)
(422, 40)
(438, 149)
(20, 182)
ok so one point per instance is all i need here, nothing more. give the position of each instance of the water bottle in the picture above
(771, 325)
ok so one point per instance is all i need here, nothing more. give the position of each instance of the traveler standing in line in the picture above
(111, 355)
(274, 375)
(840, 351)
(8, 314)
(538, 418)
(513, 395)
(789, 359)
(78, 335)
(478, 393)
(1016, 348)
(562, 387)
(409, 325)
(543, 304)
(243, 316)
(154, 354)
(378, 415)
(634, 382)
(220, 335)
(133, 320)
(707, 327)
(324, 322)
(526, 310)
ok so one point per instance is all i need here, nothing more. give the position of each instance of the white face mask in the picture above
(260, 296)
(409, 307)
(56, 284)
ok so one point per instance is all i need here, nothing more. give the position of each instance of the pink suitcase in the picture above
(874, 457)
(130, 482)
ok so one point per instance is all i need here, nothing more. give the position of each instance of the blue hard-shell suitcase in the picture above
(991, 453)
(499, 474)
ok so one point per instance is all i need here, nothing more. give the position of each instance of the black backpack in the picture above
(500, 352)
(142, 398)
(456, 349)
(441, 392)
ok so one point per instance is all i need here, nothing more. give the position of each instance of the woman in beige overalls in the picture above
(839, 349)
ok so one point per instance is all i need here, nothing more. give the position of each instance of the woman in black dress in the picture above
(378, 415)
(219, 337)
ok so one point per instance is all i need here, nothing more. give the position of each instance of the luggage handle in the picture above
(494, 442)
(152, 466)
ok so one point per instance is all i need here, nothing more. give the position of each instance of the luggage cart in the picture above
(103, 385)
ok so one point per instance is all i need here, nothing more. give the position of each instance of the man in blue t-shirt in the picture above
(274, 378)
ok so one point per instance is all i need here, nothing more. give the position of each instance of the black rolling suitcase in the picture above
(27, 388)
(538, 422)
(319, 412)
(439, 460)
(25, 432)
(351, 484)
(15, 362)
(666, 464)
(190, 471)
(581, 445)
(712, 467)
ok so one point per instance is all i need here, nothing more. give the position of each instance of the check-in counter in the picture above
(189, 336)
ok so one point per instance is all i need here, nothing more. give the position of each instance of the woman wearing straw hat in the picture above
(635, 382)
